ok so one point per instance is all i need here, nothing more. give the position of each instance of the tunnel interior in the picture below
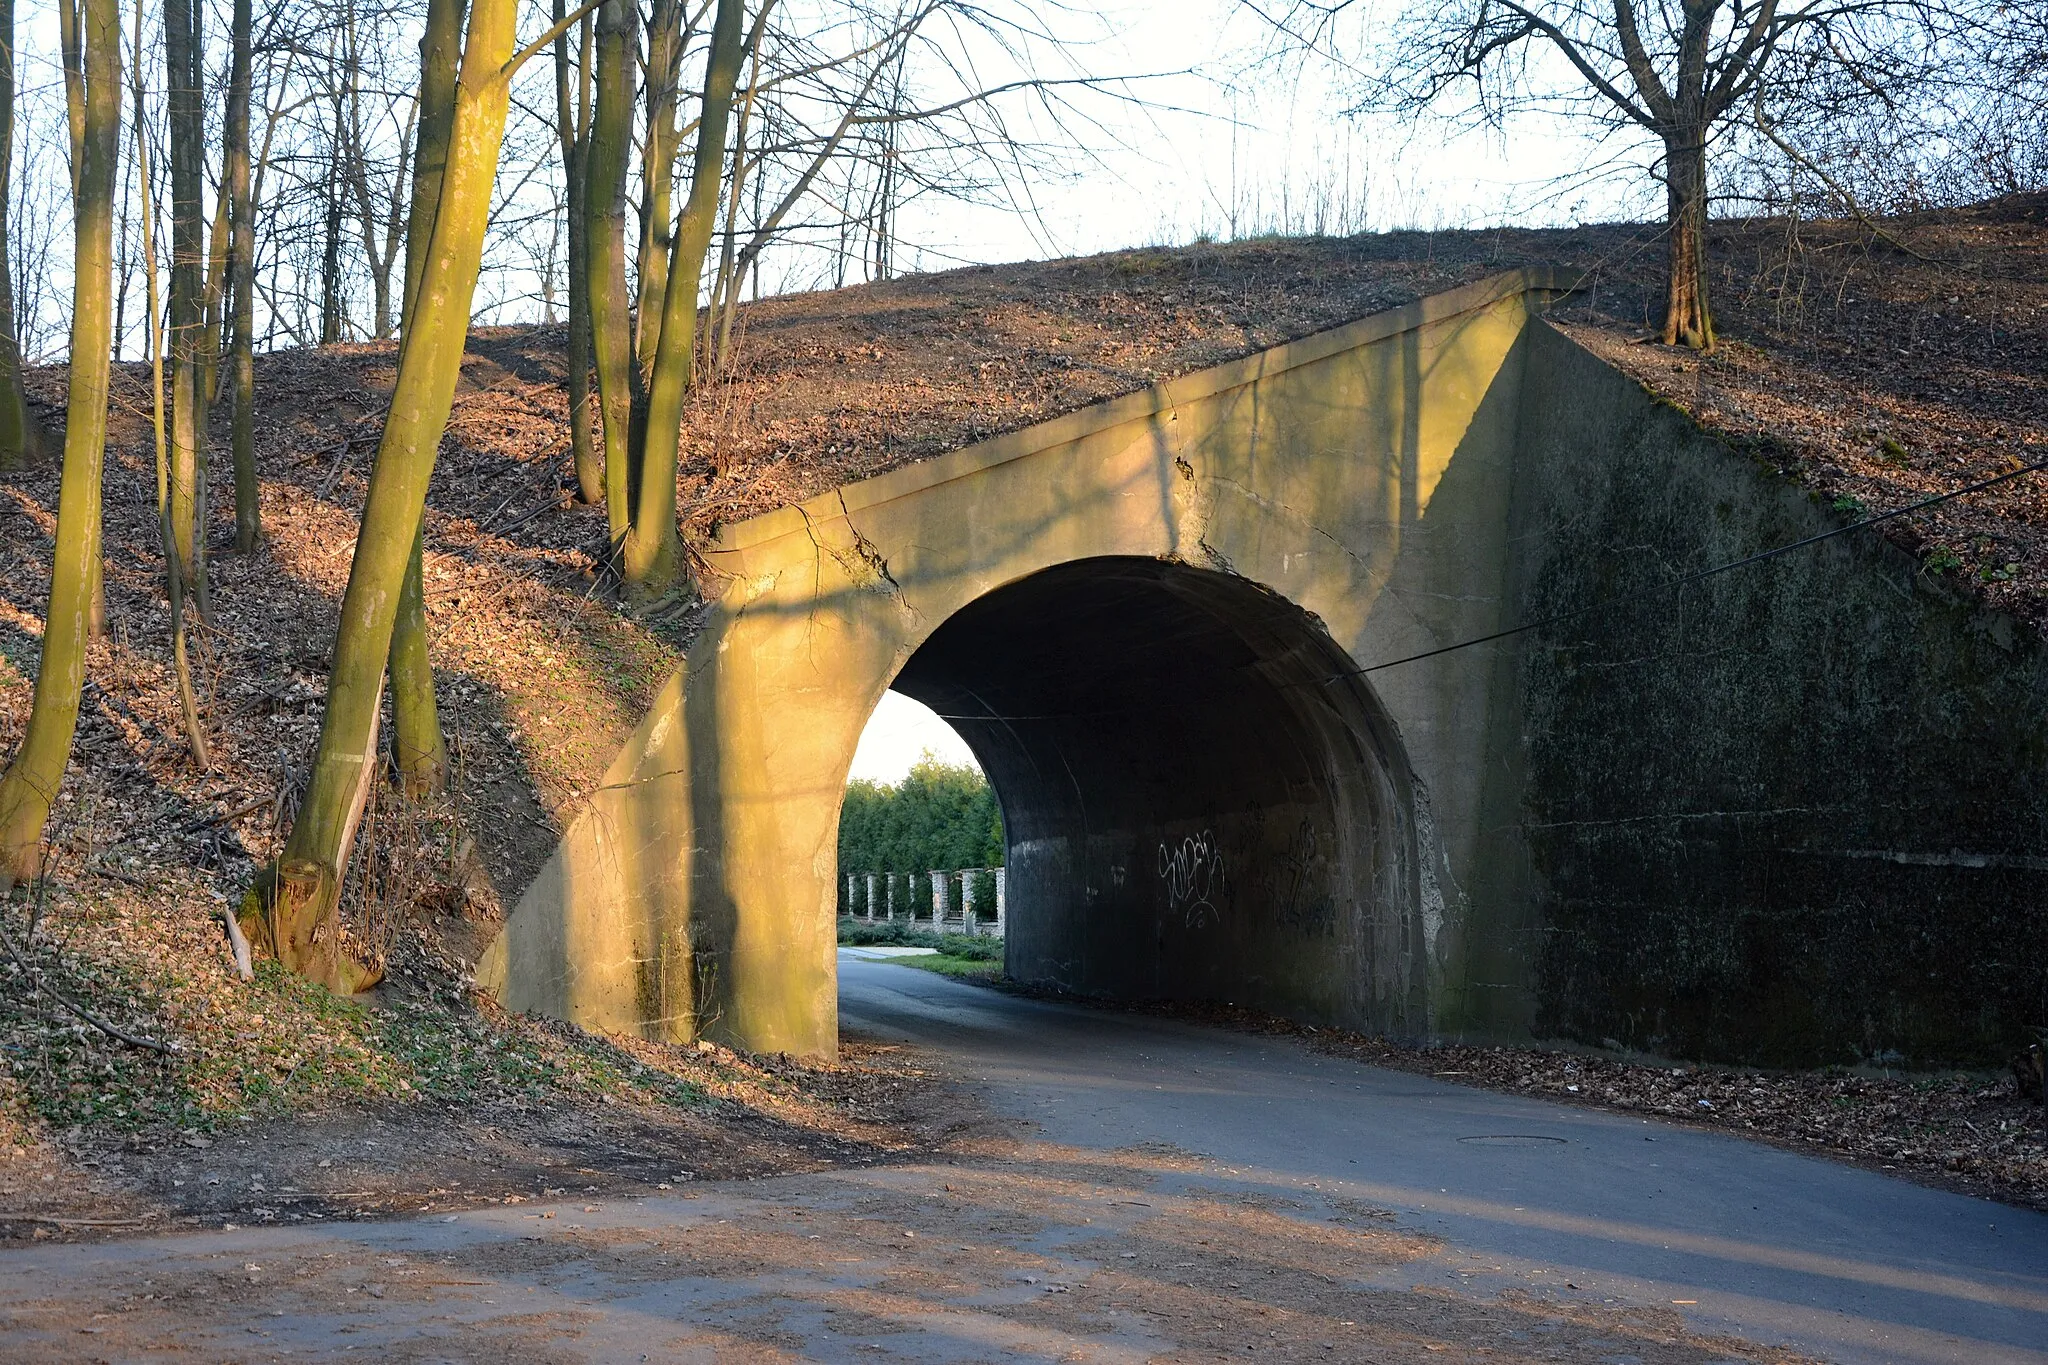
(1203, 800)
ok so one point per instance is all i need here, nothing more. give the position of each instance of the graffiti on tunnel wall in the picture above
(1289, 885)
(1298, 887)
(1193, 874)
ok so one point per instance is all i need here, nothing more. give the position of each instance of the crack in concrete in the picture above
(866, 550)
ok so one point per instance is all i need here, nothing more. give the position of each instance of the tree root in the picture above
(293, 913)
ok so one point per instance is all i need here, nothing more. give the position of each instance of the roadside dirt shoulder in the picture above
(667, 1118)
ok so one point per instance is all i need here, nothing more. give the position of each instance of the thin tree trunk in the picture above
(572, 121)
(215, 289)
(657, 176)
(174, 577)
(417, 749)
(380, 287)
(653, 558)
(358, 180)
(187, 125)
(330, 253)
(440, 62)
(301, 923)
(241, 287)
(21, 437)
(394, 216)
(1688, 318)
(725, 285)
(604, 244)
(32, 779)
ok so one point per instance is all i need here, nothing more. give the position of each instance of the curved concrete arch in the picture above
(1203, 798)
(1359, 476)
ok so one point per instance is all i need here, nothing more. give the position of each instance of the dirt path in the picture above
(1009, 1251)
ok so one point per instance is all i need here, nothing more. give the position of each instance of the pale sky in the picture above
(898, 734)
(1226, 148)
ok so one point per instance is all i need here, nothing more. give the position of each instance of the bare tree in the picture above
(572, 123)
(92, 83)
(241, 282)
(1682, 71)
(174, 576)
(21, 436)
(184, 57)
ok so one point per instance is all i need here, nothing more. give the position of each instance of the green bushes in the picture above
(938, 818)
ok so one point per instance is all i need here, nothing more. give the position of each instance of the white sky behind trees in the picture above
(901, 732)
(1222, 148)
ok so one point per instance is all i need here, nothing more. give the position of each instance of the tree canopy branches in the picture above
(1776, 82)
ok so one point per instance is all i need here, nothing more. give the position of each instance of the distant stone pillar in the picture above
(940, 898)
(871, 898)
(889, 880)
(1002, 904)
(849, 895)
(967, 880)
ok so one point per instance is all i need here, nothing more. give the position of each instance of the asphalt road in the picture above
(1134, 1190)
(1744, 1238)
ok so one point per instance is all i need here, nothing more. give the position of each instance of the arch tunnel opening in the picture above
(1202, 800)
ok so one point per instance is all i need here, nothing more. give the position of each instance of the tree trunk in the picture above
(33, 778)
(653, 557)
(604, 244)
(380, 293)
(187, 128)
(1688, 320)
(174, 575)
(22, 438)
(330, 254)
(301, 921)
(657, 176)
(572, 122)
(215, 288)
(417, 749)
(241, 288)
(440, 62)
(725, 286)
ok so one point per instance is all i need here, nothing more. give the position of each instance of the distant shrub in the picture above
(939, 818)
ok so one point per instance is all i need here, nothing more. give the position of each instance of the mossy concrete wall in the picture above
(1792, 813)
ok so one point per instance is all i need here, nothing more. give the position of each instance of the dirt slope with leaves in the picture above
(1875, 367)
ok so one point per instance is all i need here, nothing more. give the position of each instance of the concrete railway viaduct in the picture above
(1789, 813)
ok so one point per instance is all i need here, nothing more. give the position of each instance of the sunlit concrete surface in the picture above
(1229, 542)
